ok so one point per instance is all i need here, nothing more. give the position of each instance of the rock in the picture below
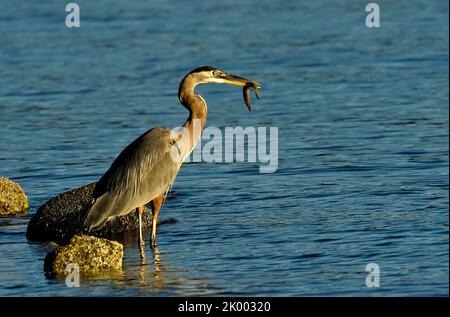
(60, 218)
(12, 198)
(92, 255)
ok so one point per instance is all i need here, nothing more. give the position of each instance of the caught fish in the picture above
(246, 92)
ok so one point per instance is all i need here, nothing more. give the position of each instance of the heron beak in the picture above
(239, 81)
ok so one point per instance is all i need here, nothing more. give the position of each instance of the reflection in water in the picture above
(143, 263)
(142, 254)
(155, 276)
(157, 262)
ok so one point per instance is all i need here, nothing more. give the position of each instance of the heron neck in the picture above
(192, 132)
(198, 109)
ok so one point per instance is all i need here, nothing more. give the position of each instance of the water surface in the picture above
(363, 141)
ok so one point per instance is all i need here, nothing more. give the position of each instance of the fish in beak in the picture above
(243, 82)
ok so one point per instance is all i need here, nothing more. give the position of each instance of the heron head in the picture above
(208, 74)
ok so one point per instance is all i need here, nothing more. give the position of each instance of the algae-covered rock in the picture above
(92, 255)
(60, 218)
(12, 198)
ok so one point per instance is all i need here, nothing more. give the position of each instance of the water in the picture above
(363, 141)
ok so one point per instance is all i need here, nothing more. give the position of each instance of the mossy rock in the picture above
(92, 255)
(13, 200)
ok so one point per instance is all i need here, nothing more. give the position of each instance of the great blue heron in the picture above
(145, 170)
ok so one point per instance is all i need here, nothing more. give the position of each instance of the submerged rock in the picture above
(92, 255)
(12, 198)
(60, 218)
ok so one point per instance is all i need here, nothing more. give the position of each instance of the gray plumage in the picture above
(143, 171)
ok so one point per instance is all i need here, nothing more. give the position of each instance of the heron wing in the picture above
(142, 171)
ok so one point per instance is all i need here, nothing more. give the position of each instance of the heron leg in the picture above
(140, 210)
(156, 206)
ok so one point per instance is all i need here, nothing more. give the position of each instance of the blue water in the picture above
(363, 141)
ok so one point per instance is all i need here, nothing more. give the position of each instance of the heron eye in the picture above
(216, 73)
